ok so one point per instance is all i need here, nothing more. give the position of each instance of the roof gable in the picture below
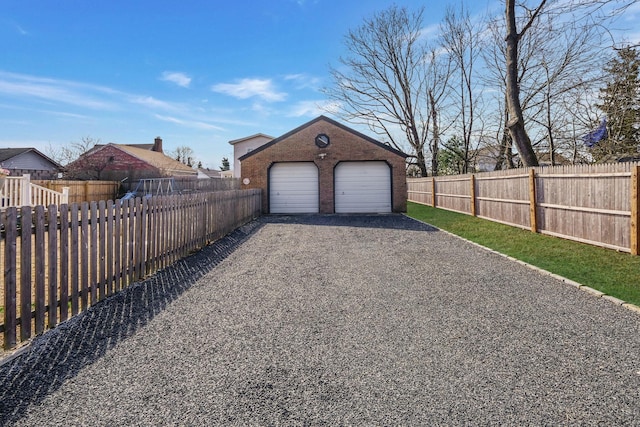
(332, 122)
(157, 160)
(247, 138)
(10, 153)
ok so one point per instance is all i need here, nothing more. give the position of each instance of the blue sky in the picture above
(197, 73)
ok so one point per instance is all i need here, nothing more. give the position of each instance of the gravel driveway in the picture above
(335, 320)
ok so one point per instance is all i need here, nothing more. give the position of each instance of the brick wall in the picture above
(345, 145)
(109, 163)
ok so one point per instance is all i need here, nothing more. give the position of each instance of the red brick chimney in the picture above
(157, 145)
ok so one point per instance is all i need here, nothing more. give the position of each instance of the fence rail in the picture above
(595, 204)
(60, 260)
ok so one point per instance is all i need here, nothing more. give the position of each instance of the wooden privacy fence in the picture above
(58, 261)
(595, 204)
(84, 191)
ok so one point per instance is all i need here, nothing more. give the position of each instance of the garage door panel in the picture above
(363, 187)
(293, 188)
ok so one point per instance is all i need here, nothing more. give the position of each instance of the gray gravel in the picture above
(335, 320)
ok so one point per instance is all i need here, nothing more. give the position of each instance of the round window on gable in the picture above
(322, 140)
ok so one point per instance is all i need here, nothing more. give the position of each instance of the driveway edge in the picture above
(584, 288)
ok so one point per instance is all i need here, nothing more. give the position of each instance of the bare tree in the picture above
(563, 42)
(68, 153)
(183, 154)
(381, 83)
(461, 39)
(439, 70)
(516, 124)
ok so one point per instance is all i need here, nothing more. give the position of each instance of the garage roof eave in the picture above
(333, 122)
(246, 138)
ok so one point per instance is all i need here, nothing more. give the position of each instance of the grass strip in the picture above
(614, 273)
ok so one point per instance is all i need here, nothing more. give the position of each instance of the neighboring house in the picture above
(544, 159)
(205, 173)
(244, 146)
(326, 167)
(486, 158)
(116, 162)
(20, 161)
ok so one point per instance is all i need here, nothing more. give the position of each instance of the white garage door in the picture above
(363, 187)
(293, 188)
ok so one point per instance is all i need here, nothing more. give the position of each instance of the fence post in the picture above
(65, 196)
(10, 222)
(473, 194)
(433, 192)
(635, 211)
(533, 208)
(25, 190)
(533, 211)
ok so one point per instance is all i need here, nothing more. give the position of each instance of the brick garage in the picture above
(344, 170)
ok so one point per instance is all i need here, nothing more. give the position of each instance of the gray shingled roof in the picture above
(9, 153)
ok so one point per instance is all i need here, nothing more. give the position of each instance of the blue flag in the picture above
(596, 135)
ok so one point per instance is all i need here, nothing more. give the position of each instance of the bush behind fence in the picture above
(58, 261)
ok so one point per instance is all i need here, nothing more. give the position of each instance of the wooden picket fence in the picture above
(595, 204)
(20, 191)
(60, 260)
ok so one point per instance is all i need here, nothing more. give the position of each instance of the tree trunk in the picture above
(422, 163)
(502, 154)
(435, 145)
(516, 122)
(509, 153)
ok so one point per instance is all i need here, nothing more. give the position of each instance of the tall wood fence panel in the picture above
(595, 204)
(60, 260)
(84, 191)
(504, 198)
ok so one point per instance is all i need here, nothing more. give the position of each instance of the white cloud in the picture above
(51, 90)
(303, 81)
(151, 102)
(188, 123)
(430, 31)
(302, 3)
(181, 79)
(313, 108)
(249, 88)
(306, 108)
(21, 30)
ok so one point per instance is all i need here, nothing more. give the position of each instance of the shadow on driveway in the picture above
(61, 353)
